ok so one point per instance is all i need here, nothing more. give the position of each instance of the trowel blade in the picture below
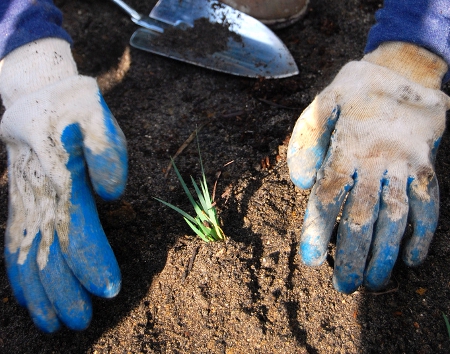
(250, 48)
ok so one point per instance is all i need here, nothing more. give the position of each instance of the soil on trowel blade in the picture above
(205, 38)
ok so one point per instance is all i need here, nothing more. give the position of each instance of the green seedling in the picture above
(447, 324)
(206, 223)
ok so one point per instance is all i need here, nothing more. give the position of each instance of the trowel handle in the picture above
(137, 18)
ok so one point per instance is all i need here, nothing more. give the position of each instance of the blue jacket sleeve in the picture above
(422, 22)
(24, 21)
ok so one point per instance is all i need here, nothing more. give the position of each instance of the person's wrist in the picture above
(33, 66)
(411, 61)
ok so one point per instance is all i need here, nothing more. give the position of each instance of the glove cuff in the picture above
(33, 66)
(411, 61)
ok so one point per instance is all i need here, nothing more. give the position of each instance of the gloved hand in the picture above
(57, 128)
(368, 143)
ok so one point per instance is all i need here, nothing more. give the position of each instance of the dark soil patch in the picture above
(251, 294)
(191, 39)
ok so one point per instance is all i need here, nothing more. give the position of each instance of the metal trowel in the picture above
(229, 41)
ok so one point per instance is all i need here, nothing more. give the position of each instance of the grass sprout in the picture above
(206, 223)
(447, 324)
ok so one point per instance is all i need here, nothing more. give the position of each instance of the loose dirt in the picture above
(189, 40)
(250, 294)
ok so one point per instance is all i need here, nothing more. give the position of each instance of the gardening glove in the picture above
(368, 143)
(57, 128)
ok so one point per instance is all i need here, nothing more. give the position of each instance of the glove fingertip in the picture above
(318, 226)
(110, 173)
(388, 233)
(304, 163)
(95, 266)
(111, 289)
(413, 256)
(306, 152)
(311, 255)
(346, 284)
(109, 169)
(46, 324)
(12, 271)
(378, 277)
(39, 306)
(70, 300)
(417, 246)
(352, 246)
(302, 177)
(108, 289)
(424, 213)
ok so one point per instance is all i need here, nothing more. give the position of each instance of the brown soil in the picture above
(250, 294)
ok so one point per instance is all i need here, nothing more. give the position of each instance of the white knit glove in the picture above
(368, 143)
(57, 128)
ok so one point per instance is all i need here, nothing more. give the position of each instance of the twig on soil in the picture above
(393, 290)
(232, 114)
(184, 146)
(270, 103)
(193, 135)
(217, 179)
(191, 263)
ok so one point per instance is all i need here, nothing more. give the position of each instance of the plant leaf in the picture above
(183, 184)
(199, 194)
(182, 212)
(205, 224)
(447, 324)
(197, 231)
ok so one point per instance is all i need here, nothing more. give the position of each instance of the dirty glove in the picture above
(368, 143)
(57, 128)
